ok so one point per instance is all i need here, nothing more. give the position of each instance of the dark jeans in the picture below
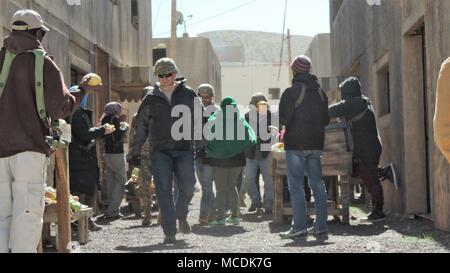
(165, 165)
(369, 175)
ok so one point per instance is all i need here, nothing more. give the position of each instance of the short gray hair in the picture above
(206, 89)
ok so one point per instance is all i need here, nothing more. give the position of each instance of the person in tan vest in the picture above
(442, 115)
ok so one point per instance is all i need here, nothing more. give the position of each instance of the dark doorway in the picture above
(421, 33)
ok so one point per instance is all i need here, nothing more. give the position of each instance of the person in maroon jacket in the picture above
(23, 150)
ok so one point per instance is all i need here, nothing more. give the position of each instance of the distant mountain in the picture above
(253, 47)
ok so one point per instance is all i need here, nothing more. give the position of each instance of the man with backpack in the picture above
(358, 111)
(32, 90)
(304, 113)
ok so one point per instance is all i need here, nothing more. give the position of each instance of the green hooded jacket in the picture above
(224, 143)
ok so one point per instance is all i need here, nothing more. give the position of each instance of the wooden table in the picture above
(336, 161)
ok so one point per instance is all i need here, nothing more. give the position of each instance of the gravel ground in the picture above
(257, 234)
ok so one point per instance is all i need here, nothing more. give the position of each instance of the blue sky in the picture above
(304, 17)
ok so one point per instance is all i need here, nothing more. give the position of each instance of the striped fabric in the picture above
(301, 64)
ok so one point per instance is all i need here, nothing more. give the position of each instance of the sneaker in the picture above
(170, 240)
(146, 222)
(254, 207)
(112, 217)
(94, 227)
(233, 220)
(293, 234)
(184, 227)
(217, 223)
(313, 232)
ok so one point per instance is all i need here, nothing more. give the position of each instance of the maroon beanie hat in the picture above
(301, 64)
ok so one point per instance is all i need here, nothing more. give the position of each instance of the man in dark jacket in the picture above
(84, 173)
(170, 155)
(258, 160)
(304, 113)
(23, 150)
(358, 111)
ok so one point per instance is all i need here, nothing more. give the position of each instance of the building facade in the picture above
(396, 49)
(109, 37)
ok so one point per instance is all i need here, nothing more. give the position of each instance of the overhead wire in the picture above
(214, 16)
(282, 41)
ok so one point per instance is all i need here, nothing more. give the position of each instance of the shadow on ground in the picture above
(179, 245)
(218, 231)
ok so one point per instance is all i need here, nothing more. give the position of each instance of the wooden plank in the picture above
(278, 202)
(62, 188)
(83, 225)
(345, 198)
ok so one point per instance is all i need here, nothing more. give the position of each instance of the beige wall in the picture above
(320, 53)
(365, 38)
(241, 82)
(75, 30)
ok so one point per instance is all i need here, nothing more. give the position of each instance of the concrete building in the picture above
(396, 49)
(251, 63)
(320, 53)
(196, 60)
(241, 82)
(112, 38)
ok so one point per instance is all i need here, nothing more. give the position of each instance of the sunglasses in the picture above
(165, 76)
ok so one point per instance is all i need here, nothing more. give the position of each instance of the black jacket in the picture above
(251, 153)
(366, 140)
(84, 173)
(304, 124)
(114, 141)
(156, 108)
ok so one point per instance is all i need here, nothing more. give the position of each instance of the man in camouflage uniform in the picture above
(140, 192)
(143, 188)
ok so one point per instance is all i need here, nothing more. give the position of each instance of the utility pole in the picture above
(173, 39)
(289, 40)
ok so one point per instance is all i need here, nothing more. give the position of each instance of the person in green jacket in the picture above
(230, 136)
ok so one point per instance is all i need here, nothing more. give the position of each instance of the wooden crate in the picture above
(336, 161)
(82, 217)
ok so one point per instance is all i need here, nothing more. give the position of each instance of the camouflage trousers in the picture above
(139, 194)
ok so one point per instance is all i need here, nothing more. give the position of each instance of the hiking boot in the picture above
(254, 207)
(170, 240)
(389, 173)
(233, 220)
(217, 223)
(184, 226)
(376, 216)
(292, 233)
(146, 222)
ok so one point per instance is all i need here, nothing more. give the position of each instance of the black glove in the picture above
(135, 161)
(200, 153)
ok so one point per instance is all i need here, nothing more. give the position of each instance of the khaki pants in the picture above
(22, 188)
